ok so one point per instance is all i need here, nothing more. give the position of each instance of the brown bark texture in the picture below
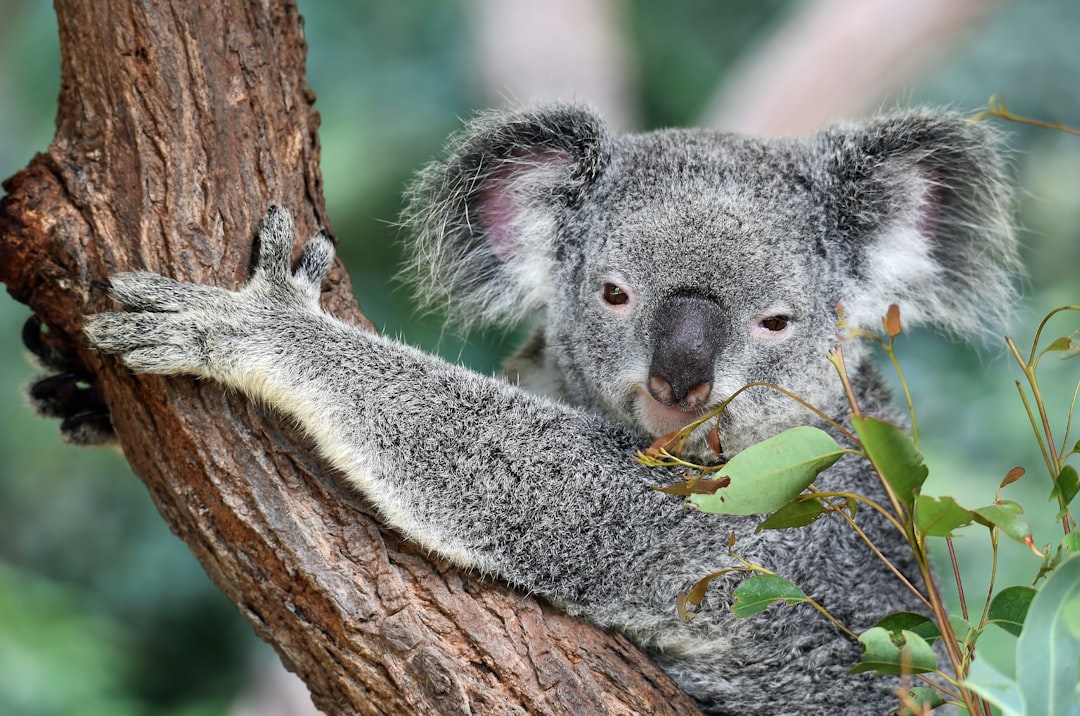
(178, 124)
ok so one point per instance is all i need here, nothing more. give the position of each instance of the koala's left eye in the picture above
(775, 323)
(615, 295)
(771, 326)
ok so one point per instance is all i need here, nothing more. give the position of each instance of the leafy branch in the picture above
(776, 476)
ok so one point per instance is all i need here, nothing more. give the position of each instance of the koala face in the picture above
(667, 270)
(688, 283)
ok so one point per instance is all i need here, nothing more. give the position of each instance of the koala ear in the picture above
(485, 223)
(923, 220)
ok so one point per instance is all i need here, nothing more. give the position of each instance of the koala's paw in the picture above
(68, 392)
(183, 328)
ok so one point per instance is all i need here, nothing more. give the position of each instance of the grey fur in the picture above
(530, 215)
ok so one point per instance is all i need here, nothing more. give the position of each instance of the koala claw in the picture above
(315, 261)
(74, 399)
(67, 392)
(276, 238)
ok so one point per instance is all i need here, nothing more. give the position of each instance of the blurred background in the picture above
(102, 610)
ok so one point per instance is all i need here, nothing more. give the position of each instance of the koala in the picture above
(661, 272)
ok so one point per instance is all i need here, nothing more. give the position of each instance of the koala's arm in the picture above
(472, 468)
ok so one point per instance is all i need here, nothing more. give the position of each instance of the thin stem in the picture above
(949, 636)
(1035, 427)
(801, 401)
(1047, 445)
(836, 357)
(941, 617)
(1046, 426)
(836, 622)
(998, 109)
(943, 689)
(993, 578)
(1068, 422)
(956, 574)
(684, 433)
(1033, 360)
(907, 393)
(860, 498)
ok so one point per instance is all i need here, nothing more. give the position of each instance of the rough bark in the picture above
(178, 124)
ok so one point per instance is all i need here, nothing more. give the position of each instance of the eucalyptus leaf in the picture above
(995, 687)
(755, 594)
(1005, 515)
(894, 454)
(1061, 344)
(922, 695)
(920, 624)
(938, 517)
(797, 513)
(908, 654)
(766, 476)
(1048, 650)
(1066, 485)
(1009, 607)
(965, 633)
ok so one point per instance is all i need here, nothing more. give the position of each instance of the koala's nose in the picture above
(690, 399)
(688, 333)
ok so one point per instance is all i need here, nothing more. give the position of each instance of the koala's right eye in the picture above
(615, 295)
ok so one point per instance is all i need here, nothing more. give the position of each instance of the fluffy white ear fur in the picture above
(899, 267)
(519, 222)
(943, 248)
(483, 224)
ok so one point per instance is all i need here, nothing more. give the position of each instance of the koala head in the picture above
(666, 270)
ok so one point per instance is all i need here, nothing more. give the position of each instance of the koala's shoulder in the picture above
(532, 369)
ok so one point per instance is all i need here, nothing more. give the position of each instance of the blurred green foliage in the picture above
(103, 611)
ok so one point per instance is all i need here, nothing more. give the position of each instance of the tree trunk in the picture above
(178, 124)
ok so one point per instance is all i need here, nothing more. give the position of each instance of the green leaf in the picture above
(995, 687)
(797, 513)
(1061, 344)
(938, 517)
(1009, 607)
(898, 622)
(922, 695)
(1048, 650)
(1005, 515)
(755, 594)
(965, 633)
(909, 654)
(894, 454)
(765, 476)
(1066, 485)
(1071, 542)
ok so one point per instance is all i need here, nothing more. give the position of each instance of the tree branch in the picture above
(178, 125)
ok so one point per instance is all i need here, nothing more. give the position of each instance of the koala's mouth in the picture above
(659, 419)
